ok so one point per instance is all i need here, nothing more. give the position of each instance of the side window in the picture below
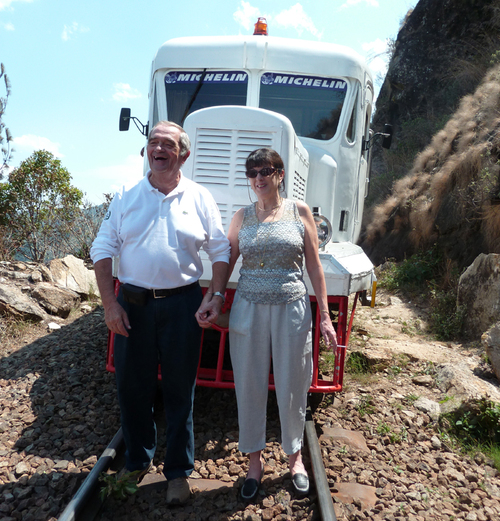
(351, 129)
(155, 108)
(367, 134)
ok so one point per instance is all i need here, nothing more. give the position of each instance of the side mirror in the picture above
(124, 119)
(386, 142)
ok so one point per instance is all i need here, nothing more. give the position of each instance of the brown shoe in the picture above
(178, 491)
(135, 476)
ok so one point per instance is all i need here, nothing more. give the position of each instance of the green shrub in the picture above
(428, 276)
(480, 424)
(357, 363)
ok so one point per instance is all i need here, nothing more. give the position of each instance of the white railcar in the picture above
(310, 101)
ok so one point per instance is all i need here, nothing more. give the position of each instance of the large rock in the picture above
(14, 302)
(55, 300)
(463, 389)
(71, 273)
(491, 343)
(479, 293)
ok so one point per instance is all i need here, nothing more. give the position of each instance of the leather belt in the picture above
(162, 293)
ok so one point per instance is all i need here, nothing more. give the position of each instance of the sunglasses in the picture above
(264, 172)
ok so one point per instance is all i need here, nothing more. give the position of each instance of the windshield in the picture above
(188, 91)
(313, 104)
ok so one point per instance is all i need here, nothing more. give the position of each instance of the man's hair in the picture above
(184, 141)
(264, 156)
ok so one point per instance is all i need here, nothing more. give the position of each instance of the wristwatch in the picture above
(219, 294)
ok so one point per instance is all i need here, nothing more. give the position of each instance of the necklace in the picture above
(275, 211)
(270, 209)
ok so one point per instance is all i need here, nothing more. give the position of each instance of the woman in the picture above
(271, 315)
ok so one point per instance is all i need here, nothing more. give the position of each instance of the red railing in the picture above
(214, 369)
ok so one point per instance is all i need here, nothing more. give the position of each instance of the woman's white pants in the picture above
(257, 333)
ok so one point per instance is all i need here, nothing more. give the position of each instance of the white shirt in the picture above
(158, 236)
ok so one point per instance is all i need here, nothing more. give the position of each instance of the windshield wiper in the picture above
(193, 97)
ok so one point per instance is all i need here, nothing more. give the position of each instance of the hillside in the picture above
(439, 183)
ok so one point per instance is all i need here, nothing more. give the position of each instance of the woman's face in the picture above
(265, 186)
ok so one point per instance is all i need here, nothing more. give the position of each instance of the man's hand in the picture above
(115, 316)
(116, 319)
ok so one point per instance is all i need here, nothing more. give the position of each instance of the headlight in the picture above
(324, 229)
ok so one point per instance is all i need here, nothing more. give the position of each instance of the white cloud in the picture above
(246, 15)
(70, 30)
(8, 26)
(5, 4)
(377, 57)
(350, 3)
(27, 144)
(124, 92)
(297, 18)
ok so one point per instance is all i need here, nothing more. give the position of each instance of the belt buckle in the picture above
(159, 296)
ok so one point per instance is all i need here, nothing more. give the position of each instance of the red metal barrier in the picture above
(215, 348)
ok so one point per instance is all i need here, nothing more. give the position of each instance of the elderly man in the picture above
(157, 228)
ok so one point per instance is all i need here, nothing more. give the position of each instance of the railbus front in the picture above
(312, 103)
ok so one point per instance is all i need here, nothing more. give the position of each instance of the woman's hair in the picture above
(264, 156)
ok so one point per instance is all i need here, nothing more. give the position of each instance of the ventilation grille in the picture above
(219, 155)
(219, 164)
(299, 187)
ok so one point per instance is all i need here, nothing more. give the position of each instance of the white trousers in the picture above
(258, 332)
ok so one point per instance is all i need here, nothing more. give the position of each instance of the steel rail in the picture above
(76, 507)
(89, 487)
(322, 488)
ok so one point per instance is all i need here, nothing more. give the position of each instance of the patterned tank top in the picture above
(273, 255)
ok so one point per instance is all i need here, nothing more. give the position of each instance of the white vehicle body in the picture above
(310, 101)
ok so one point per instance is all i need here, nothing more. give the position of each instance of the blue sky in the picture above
(73, 64)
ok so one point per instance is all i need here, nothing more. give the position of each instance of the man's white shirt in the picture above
(158, 236)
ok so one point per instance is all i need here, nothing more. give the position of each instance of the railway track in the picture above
(86, 505)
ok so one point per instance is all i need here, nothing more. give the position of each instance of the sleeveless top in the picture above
(273, 257)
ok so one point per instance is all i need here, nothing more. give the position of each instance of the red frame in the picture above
(219, 377)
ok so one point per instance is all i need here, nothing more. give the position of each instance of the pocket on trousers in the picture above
(240, 318)
(299, 316)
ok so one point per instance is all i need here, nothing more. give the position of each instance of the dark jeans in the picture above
(163, 331)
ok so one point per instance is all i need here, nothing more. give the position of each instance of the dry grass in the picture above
(462, 165)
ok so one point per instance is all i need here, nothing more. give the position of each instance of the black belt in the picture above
(162, 293)
(139, 296)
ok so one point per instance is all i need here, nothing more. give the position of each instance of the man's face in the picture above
(164, 151)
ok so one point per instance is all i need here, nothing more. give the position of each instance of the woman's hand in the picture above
(328, 332)
(208, 312)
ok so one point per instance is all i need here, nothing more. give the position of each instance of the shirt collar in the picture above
(181, 186)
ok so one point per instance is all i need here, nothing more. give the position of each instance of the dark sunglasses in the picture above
(264, 172)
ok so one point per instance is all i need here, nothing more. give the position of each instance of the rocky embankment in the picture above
(385, 455)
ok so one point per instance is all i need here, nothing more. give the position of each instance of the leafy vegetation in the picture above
(430, 277)
(479, 425)
(365, 406)
(118, 486)
(43, 216)
(357, 363)
(39, 204)
(476, 431)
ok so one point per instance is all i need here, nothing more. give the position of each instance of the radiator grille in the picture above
(220, 155)
(219, 164)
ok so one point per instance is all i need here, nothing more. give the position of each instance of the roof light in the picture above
(261, 27)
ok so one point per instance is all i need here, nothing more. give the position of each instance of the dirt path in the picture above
(395, 326)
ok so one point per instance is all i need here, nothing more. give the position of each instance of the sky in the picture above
(74, 64)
